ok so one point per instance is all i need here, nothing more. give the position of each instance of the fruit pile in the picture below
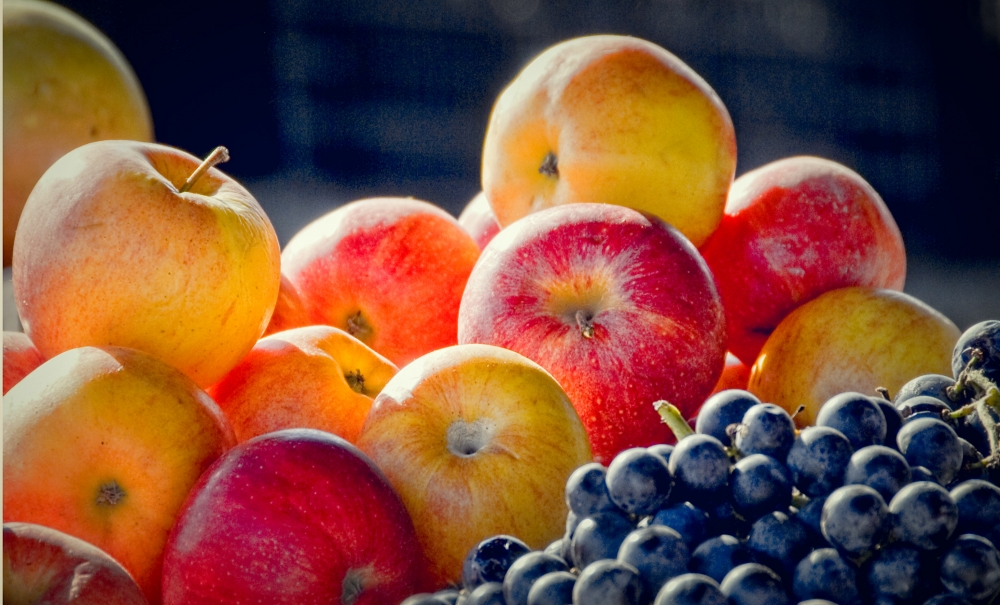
(881, 501)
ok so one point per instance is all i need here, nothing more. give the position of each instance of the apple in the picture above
(294, 516)
(388, 271)
(478, 441)
(793, 229)
(65, 84)
(20, 357)
(289, 310)
(479, 220)
(136, 245)
(104, 444)
(617, 305)
(314, 377)
(735, 375)
(44, 565)
(850, 339)
(612, 119)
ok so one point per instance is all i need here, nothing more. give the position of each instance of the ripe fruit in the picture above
(105, 444)
(20, 357)
(64, 85)
(616, 304)
(478, 219)
(388, 271)
(478, 441)
(289, 310)
(611, 119)
(115, 249)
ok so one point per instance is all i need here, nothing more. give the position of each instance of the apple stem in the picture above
(356, 381)
(219, 155)
(110, 494)
(358, 327)
(550, 165)
(671, 416)
(585, 324)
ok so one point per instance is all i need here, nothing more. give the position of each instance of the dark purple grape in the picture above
(817, 460)
(687, 519)
(723, 409)
(825, 574)
(663, 450)
(700, 468)
(970, 567)
(893, 421)
(523, 573)
(758, 485)
(766, 429)
(754, 584)
(946, 599)
(857, 416)
(932, 444)
(899, 573)
(598, 537)
(972, 467)
(557, 548)
(489, 560)
(586, 490)
(923, 514)
(425, 598)
(555, 588)
(487, 593)
(855, 520)
(691, 589)
(778, 541)
(722, 519)
(810, 516)
(978, 505)
(658, 552)
(923, 406)
(879, 467)
(921, 473)
(638, 481)
(932, 385)
(972, 430)
(717, 556)
(985, 336)
(608, 582)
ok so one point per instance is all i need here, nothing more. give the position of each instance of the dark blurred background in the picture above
(322, 102)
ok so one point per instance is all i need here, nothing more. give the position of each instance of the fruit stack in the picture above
(404, 405)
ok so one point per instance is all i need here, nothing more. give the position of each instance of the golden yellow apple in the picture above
(850, 339)
(64, 84)
(611, 119)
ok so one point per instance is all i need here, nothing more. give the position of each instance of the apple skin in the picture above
(44, 565)
(294, 516)
(65, 84)
(108, 253)
(850, 339)
(20, 357)
(305, 377)
(478, 441)
(793, 229)
(389, 271)
(479, 220)
(625, 121)
(289, 310)
(735, 375)
(104, 444)
(659, 329)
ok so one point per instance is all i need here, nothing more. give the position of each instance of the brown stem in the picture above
(550, 165)
(884, 392)
(585, 323)
(219, 155)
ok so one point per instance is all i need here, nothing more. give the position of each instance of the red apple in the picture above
(617, 305)
(479, 220)
(792, 230)
(388, 271)
(45, 565)
(20, 357)
(289, 311)
(294, 516)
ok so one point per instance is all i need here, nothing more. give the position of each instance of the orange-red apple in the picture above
(478, 441)
(45, 565)
(479, 220)
(388, 271)
(611, 119)
(289, 310)
(735, 375)
(617, 305)
(792, 230)
(316, 377)
(65, 84)
(104, 444)
(114, 248)
(850, 339)
(20, 357)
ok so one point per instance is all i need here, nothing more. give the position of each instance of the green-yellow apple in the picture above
(65, 84)
(389, 271)
(20, 357)
(850, 339)
(616, 304)
(104, 444)
(611, 119)
(316, 377)
(479, 220)
(132, 244)
(478, 441)
(45, 565)
(793, 229)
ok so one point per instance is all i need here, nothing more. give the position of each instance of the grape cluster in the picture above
(881, 503)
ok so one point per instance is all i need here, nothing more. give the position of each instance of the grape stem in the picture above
(972, 382)
(671, 416)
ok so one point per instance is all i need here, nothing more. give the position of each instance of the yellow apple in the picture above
(850, 339)
(64, 84)
(611, 119)
(478, 441)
